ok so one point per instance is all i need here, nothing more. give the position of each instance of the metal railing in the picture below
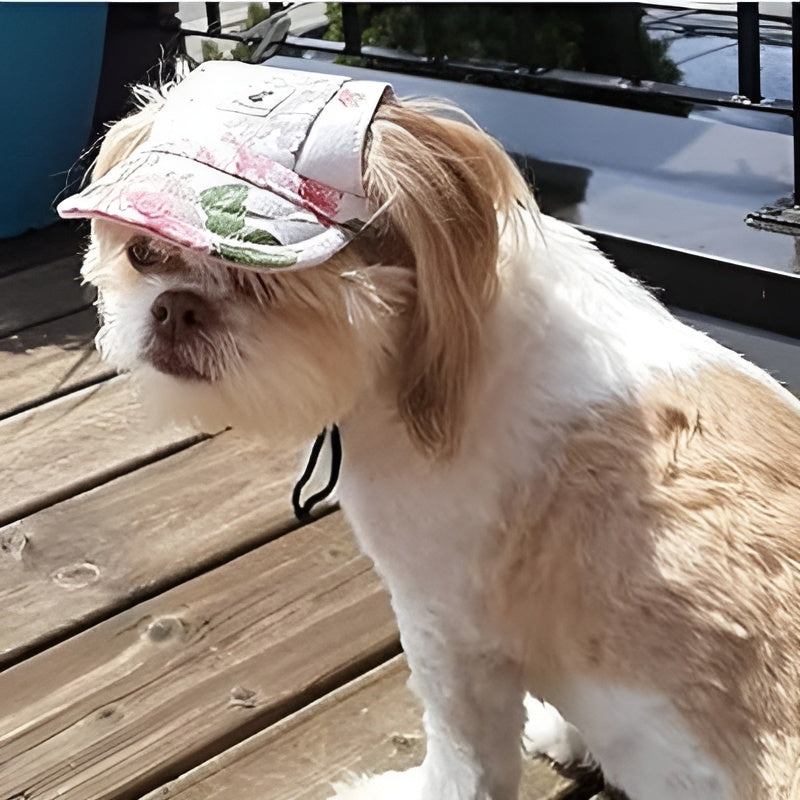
(703, 282)
(783, 215)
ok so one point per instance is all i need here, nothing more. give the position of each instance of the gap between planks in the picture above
(49, 361)
(36, 247)
(139, 699)
(371, 725)
(41, 294)
(124, 541)
(75, 443)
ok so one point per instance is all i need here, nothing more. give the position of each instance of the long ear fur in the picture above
(446, 190)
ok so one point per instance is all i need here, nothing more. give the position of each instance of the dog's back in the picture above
(658, 552)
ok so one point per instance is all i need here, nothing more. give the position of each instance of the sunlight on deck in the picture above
(169, 629)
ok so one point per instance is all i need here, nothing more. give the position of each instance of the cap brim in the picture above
(197, 206)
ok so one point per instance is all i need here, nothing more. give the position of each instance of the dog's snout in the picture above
(177, 312)
(183, 331)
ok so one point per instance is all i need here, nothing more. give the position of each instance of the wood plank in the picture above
(148, 694)
(74, 443)
(77, 562)
(46, 244)
(369, 726)
(48, 361)
(41, 294)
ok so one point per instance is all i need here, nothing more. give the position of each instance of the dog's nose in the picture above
(178, 313)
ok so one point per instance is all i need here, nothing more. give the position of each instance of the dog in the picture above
(569, 494)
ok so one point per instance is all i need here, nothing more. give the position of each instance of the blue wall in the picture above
(50, 56)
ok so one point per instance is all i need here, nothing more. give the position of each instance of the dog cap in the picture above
(258, 166)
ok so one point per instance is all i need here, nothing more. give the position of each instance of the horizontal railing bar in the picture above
(717, 12)
(233, 37)
(537, 81)
(719, 287)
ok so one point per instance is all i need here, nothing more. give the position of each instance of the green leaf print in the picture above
(226, 214)
(229, 198)
(225, 224)
(254, 258)
(257, 236)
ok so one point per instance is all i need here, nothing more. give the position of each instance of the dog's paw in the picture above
(548, 734)
(386, 786)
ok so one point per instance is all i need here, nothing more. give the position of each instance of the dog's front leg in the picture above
(473, 715)
(432, 558)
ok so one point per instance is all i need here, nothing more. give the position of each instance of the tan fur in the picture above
(444, 191)
(662, 552)
(446, 188)
(124, 136)
(659, 550)
(291, 359)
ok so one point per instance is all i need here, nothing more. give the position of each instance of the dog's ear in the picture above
(444, 189)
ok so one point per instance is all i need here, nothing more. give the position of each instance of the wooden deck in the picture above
(168, 629)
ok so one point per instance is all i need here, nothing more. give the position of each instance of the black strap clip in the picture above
(303, 510)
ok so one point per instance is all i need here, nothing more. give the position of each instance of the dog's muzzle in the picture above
(182, 326)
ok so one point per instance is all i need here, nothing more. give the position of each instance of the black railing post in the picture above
(352, 29)
(796, 99)
(213, 18)
(749, 51)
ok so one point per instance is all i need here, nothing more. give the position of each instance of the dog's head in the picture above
(400, 310)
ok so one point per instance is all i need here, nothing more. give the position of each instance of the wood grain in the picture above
(369, 726)
(42, 293)
(148, 694)
(77, 562)
(72, 444)
(49, 360)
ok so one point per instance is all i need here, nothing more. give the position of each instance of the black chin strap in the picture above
(303, 510)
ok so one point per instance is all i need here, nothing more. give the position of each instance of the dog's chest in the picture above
(425, 527)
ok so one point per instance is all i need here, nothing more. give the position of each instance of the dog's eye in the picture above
(142, 253)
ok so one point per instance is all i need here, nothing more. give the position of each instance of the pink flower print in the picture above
(150, 204)
(166, 207)
(317, 197)
(204, 156)
(265, 172)
(350, 99)
(184, 233)
(320, 198)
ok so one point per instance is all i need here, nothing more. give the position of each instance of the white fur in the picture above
(567, 332)
(388, 786)
(548, 734)
(643, 743)
(599, 338)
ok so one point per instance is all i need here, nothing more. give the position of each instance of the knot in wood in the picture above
(13, 542)
(242, 697)
(163, 628)
(404, 742)
(76, 576)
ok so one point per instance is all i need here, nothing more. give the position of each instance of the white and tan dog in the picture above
(566, 491)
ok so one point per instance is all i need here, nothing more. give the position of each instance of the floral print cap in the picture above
(258, 166)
